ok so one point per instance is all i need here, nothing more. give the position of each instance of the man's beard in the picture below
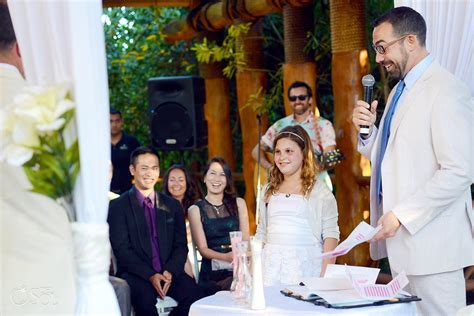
(300, 109)
(399, 68)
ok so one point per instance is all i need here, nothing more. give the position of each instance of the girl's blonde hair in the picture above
(309, 169)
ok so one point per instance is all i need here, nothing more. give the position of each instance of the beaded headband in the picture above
(294, 134)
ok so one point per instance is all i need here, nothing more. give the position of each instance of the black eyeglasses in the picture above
(301, 97)
(382, 50)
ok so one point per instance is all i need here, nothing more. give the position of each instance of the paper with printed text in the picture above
(362, 233)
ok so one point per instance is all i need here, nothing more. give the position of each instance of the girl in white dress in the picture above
(298, 213)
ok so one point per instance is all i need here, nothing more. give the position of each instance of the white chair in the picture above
(197, 262)
(197, 258)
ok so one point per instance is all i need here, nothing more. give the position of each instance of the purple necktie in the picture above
(151, 220)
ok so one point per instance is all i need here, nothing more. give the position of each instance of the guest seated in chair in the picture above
(298, 213)
(211, 221)
(178, 184)
(148, 237)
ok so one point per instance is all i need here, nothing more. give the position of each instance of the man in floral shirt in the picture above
(319, 129)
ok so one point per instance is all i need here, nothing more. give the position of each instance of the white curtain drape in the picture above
(63, 41)
(450, 34)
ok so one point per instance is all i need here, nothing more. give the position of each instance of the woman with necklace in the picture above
(211, 220)
(298, 213)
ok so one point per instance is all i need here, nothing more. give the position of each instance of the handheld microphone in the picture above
(368, 84)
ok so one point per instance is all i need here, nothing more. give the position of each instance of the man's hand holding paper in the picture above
(389, 224)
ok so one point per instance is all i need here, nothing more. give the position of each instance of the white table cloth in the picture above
(222, 303)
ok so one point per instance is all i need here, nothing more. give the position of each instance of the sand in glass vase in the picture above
(244, 279)
(235, 237)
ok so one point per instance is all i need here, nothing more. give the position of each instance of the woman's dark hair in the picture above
(230, 195)
(190, 195)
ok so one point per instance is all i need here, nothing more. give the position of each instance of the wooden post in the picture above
(349, 62)
(299, 66)
(249, 80)
(217, 109)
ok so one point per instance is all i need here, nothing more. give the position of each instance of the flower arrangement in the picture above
(32, 135)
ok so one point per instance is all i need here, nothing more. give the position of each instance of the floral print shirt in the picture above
(326, 130)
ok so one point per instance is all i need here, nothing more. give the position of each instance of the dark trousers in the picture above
(183, 289)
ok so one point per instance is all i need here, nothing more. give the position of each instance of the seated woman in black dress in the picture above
(211, 221)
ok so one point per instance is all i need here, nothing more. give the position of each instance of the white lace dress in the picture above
(291, 249)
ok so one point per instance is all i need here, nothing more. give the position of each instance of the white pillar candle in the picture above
(258, 296)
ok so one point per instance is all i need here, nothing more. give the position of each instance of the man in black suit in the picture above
(148, 237)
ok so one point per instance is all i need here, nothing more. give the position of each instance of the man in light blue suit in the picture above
(422, 159)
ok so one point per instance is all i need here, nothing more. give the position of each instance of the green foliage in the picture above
(137, 51)
(209, 52)
(261, 102)
(270, 99)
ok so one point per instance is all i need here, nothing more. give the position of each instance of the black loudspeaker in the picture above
(177, 112)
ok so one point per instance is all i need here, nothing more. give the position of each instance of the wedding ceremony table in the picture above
(222, 303)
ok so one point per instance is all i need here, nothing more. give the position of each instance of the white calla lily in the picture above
(62, 107)
(31, 127)
(24, 133)
(18, 155)
(51, 126)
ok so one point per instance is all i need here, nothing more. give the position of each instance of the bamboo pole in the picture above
(217, 109)
(149, 3)
(299, 65)
(213, 16)
(249, 80)
(349, 62)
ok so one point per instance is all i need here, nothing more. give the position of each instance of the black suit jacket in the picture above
(130, 236)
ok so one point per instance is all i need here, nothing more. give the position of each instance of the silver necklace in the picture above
(215, 207)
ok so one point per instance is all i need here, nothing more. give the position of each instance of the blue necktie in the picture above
(385, 136)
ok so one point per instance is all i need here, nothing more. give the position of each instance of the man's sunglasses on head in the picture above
(301, 97)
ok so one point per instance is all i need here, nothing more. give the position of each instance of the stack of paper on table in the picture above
(349, 285)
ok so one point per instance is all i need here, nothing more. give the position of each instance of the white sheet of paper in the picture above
(362, 233)
(366, 293)
(382, 291)
(348, 285)
(345, 297)
(362, 275)
(327, 284)
(336, 278)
